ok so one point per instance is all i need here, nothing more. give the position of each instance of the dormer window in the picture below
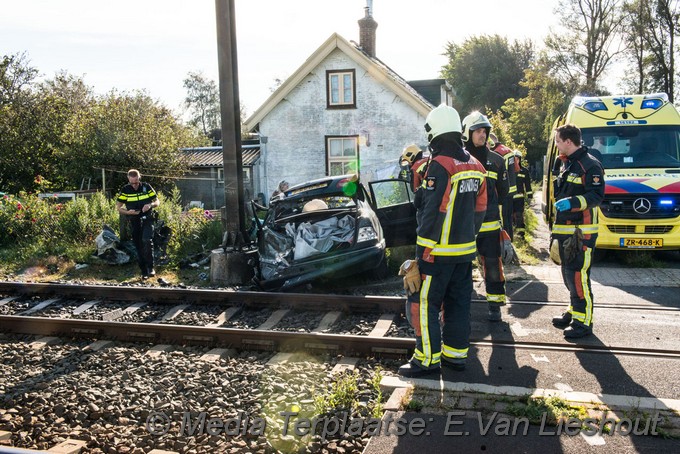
(341, 91)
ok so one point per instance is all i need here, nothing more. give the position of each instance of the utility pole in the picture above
(234, 263)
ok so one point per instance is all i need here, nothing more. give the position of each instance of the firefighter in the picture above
(137, 200)
(578, 190)
(450, 209)
(513, 169)
(413, 165)
(476, 129)
(522, 196)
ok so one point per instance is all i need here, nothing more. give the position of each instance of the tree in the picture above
(530, 119)
(485, 71)
(584, 49)
(650, 29)
(203, 101)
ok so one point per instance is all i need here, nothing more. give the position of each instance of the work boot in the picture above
(494, 313)
(562, 321)
(412, 370)
(578, 330)
(454, 363)
(151, 272)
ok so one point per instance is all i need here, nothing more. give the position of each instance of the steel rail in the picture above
(318, 301)
(274, 340)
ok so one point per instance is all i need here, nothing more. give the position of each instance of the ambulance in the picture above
(637, 140)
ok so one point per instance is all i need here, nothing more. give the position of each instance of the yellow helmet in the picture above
(410, 153)
(555, 252)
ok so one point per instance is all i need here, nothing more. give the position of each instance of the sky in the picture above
(152, 45)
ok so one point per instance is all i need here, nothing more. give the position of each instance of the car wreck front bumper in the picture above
(339, 264)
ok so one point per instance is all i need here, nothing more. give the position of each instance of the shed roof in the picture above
(212, 156)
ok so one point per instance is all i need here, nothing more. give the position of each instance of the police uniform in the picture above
(581, 181)
(512, 164)
(488, 239)
(142, 223)
(523, 193)
(450, 209)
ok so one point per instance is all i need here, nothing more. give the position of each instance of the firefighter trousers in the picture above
(446, 287)
(518, 214)
(489, 254)
(576, 276)
(142, 236)
(506, 215)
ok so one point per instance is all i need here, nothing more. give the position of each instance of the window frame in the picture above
(329, 159)
(342, 104)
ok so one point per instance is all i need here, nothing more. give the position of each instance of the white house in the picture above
(342, 111)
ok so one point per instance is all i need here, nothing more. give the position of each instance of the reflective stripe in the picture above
(466, 175)
(426, 242)
(459, 353)
(490, 226)
(512, 190)
(562, 229)
(495, 298)
(426, 359)
(455, 249)
(588, 319)
(582, 202)
(492, 174)
(519, 195)
(574, 179)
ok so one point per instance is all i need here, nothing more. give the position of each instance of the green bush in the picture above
(32, 227)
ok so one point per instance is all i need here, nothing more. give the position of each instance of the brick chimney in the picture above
(367, 28)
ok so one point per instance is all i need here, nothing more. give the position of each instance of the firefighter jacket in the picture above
(581, 180)
(450, 208)
(512, 164)
(135, 199)
(497, 186)
(418, 170)
(523, 183)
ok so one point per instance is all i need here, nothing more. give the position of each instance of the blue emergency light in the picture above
(594, 106)
(667, 202)
(651, 104)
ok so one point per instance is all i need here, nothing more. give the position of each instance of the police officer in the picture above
(450, 210)
(476, 129)
(513, 169)
(523, 194)
(579, 190)
(137, 200)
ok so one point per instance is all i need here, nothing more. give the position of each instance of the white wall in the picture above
(297, 127)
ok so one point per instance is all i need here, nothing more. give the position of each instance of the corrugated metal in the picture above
(212, 156)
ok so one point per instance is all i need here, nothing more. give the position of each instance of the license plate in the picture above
(641, 242)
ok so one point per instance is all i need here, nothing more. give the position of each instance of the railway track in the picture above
(266, 336)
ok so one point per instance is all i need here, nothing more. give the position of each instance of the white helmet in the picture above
(410, 153)
(440, 120)
(472, 122)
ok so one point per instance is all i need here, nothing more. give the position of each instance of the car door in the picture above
(392, 200)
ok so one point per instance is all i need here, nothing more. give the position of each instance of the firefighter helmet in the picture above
(472, 122)
(440, 120)
(410, 153)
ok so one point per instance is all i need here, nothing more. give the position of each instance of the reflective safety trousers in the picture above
(447, 288)
(489, 256)
(576, 276)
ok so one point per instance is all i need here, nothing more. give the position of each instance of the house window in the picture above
(220, 175)
(342, 155)
(341, 90)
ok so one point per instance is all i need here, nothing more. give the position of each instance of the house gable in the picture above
(372, 66)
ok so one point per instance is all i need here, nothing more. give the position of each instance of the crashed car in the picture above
(332, 226)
